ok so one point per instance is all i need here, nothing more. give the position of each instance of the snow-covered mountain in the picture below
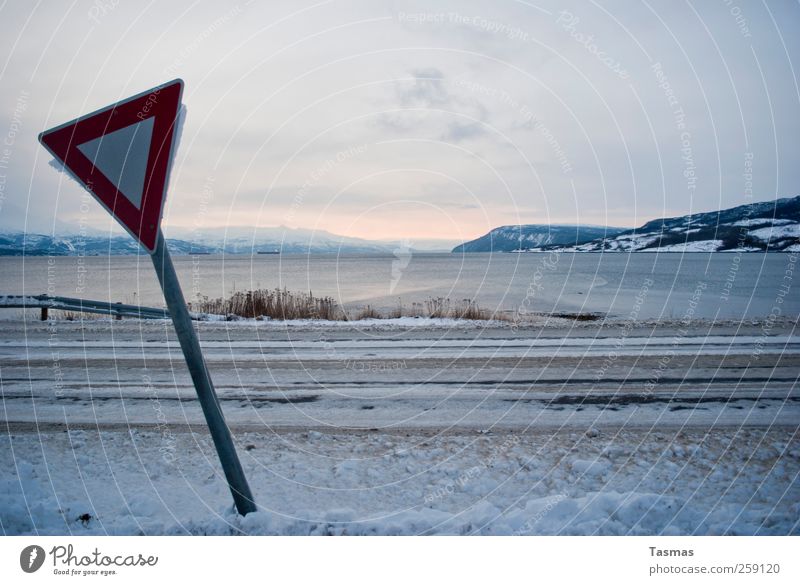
(18, 244)
(756, 227)
(238, 241)
(515, 238)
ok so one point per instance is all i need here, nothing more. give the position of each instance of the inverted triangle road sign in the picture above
(122, 153)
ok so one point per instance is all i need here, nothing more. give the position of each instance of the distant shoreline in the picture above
(387, 254)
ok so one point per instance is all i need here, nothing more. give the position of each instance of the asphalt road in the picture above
(393, 379)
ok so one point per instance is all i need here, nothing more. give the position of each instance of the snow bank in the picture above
(625, 482)
(595, 513)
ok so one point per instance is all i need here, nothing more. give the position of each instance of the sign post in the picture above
(201, 378)
(122, 155)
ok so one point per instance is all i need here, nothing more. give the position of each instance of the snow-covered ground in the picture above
(397, 428)
(701, 246)
(753, 221)
(613, 482)
(777, 232)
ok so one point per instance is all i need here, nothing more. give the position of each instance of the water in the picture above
(721, 285)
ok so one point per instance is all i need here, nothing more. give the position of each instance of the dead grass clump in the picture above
(368, 313)
(470, 310)
(282, 305)
(279, 304)
(397, 312)
(79, 315)
(467, 309)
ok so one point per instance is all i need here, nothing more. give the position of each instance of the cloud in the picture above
(427, 89)
(458, 131)
(276, 91)
(426, 107)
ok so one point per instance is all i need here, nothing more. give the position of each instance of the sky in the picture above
(415, 120)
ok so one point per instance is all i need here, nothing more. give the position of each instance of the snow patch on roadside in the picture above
(642, 483)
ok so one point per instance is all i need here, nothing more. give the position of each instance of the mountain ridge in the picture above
(514, 238)
(765, 226)
(19, 243)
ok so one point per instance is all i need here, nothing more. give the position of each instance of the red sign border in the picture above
(163, 103)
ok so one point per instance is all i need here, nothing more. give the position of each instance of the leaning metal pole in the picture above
(190, 345)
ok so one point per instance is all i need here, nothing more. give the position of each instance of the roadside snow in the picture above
(625, 482)
(16, 300)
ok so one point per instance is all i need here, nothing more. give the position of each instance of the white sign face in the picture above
(122, 157)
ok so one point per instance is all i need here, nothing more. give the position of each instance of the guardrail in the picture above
(119, 310)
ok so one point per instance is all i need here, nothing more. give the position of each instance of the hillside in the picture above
(514, 238)
(756, 227)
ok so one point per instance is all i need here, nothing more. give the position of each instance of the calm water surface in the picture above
(723, 285)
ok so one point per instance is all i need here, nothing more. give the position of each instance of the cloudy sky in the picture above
(415, 119)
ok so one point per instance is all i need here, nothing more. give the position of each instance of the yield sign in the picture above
(122, 154)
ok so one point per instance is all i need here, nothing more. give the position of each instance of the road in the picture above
(396, 378)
